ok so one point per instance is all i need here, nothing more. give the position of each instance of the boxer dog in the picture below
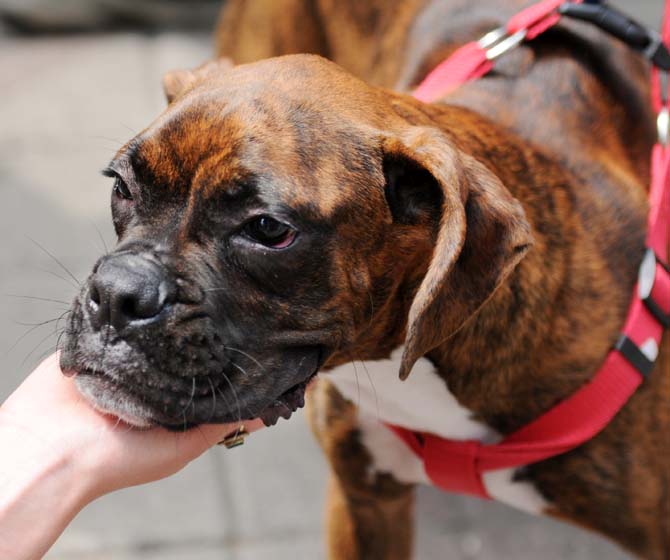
(292, 215)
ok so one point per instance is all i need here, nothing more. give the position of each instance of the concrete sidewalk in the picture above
(67, 104)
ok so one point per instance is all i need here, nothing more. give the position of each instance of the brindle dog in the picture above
(284, 216)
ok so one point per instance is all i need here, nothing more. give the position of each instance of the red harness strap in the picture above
(458, 465)
(474, 60)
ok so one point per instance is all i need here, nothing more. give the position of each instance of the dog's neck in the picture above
(545, 331)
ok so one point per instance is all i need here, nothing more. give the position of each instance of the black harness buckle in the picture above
(622, 27)
(636, 357)
(643, 358)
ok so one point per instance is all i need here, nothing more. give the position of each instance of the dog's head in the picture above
(280, 215)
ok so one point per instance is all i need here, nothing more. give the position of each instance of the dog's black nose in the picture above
(127, 288)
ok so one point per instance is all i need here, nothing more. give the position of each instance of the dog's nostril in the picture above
(128, 307)
(131, 301)
(94, 294)
(139, 306)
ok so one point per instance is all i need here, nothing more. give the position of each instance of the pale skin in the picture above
(59, 454)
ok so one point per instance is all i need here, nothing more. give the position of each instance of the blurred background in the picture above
(77, 79)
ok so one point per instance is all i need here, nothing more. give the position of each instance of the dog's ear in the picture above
(178, 82)
(481, 233)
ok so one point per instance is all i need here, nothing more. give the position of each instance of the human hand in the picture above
(51, 417)
(59, 454)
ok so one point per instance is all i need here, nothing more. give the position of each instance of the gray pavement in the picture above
(66, 104)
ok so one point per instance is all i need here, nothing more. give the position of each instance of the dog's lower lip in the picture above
(287, 403)
(148, 418)
(283, 406)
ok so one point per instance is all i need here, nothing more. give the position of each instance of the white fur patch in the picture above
(501, 486)
(422, 403)
(389, 453)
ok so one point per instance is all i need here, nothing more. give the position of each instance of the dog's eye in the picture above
(270, 232)
(121, 189)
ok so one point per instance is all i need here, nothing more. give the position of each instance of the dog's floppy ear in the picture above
(481, 233)
(178, 82)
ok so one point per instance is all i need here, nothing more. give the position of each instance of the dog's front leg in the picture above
(370, 516)
(366, 525)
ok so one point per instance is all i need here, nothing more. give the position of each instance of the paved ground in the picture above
(67, 104)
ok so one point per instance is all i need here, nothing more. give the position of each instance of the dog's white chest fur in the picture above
(422, 403)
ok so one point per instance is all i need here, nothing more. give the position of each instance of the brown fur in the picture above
(571, 142)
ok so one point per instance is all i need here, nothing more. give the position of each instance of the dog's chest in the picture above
(422, 403)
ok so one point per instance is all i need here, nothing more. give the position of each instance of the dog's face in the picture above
(260, 234)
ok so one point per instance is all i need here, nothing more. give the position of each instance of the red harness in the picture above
(458, 466)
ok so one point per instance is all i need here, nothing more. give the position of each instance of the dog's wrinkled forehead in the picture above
(188, 149)
(223, 133)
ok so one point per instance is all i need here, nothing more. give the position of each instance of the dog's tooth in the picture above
(269, 420)
(286, 414)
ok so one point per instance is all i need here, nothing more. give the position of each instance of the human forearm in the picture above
(40, 493)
